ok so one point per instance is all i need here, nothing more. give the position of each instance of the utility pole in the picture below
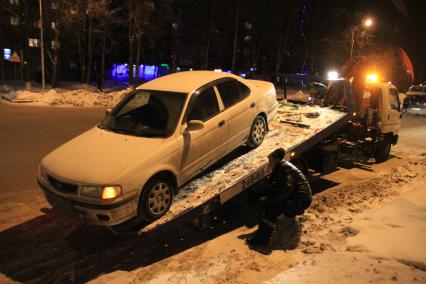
(43, 82)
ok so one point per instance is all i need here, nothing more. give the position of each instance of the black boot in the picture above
(262, 236)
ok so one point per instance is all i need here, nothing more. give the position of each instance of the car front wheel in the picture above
(257, 132)
(383, 149)
(156, 198)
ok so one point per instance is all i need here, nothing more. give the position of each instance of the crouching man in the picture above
(286, 192)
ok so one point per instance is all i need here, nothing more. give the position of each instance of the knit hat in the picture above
(278, 154)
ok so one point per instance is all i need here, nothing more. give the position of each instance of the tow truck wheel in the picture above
(156, 198)
(383, 149)
(257, 132)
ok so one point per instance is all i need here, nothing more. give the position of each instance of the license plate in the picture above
(255, 177)
(244, 183)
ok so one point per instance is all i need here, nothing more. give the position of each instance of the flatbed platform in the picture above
(296, 128)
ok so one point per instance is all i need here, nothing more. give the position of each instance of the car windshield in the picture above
(146, 113)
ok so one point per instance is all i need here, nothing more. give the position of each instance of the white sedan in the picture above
(157, 138)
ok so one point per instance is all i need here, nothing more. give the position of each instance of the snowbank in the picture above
(80, 97)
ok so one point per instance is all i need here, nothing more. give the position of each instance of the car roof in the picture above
(185, 82)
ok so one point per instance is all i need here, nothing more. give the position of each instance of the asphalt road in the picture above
(28, 133)
(412, 136)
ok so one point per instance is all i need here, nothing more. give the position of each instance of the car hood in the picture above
(100, 157)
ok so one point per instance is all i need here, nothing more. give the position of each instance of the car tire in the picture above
(257, 132)
(383, 149)
(156, 198)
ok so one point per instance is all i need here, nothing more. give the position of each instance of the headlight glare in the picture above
(101, 192)
(109, 192)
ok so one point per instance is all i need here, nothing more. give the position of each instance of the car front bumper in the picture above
(96, 214)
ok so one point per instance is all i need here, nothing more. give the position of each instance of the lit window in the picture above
(247, 25)
(54, 5)
(54, 44)
(14, 21)
(247, 38)
(14, 2)
(33, 42)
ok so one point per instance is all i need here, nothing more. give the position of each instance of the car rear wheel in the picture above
(257, 132)
(156, 198)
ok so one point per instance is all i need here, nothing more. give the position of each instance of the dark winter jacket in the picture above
(287, 181)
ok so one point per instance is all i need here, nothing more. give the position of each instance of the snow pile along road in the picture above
(70, 98)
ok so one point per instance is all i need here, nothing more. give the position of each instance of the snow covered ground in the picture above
(75, 96)
(369, 228)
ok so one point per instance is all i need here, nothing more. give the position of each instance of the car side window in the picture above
(230, 93)
(393, 99)
(245, 91)
(204, 106)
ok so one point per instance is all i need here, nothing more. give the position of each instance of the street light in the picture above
(368, 22)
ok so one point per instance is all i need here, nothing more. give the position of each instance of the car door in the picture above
(240, 110)
(392, 120)
(203, 147)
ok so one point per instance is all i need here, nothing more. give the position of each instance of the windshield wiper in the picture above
(123, 131)
(104, 127)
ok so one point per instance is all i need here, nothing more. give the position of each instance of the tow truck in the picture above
(356, 115)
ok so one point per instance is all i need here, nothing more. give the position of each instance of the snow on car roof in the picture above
(184, 82)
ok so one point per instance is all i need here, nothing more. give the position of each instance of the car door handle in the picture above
(222, 123)
(253, 104)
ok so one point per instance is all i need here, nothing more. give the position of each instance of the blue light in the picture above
(120, 72)
(149, 72)
(7, 53)
(243, 75)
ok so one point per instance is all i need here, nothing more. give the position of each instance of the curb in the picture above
(16, 101)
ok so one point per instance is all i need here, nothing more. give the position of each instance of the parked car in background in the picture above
(157, 138)
(415, 101)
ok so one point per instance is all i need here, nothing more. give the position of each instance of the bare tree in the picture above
(205, 59)
(286, 21)
(235, 46)
(138, 21)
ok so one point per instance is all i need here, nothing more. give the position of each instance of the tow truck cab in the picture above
(383, 99)
(375, 118)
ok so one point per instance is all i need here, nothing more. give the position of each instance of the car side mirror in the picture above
(194, 125)
(108, 111)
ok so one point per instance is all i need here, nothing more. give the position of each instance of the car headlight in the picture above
(102, 192)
